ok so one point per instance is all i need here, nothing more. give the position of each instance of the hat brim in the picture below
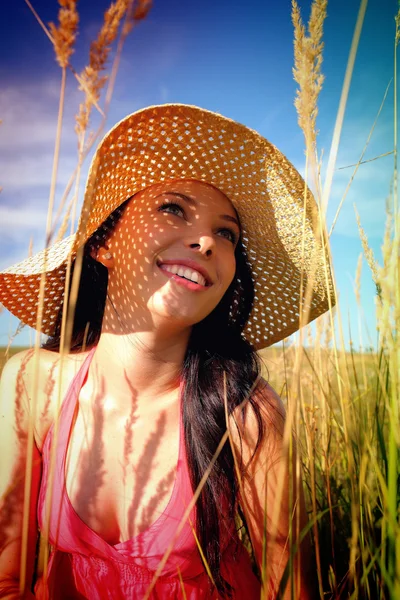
(281, 232)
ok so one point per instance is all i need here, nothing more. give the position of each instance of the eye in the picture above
(229, 234)
(172, 207)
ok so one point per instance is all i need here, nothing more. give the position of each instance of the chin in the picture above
(175, 314)
(171, 314)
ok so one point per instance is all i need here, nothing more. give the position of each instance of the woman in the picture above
(196, 248)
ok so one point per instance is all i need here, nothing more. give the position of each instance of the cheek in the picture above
(230, 270)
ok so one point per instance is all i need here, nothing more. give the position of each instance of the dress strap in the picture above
(69, 406)
(61, 438)
(76, 384)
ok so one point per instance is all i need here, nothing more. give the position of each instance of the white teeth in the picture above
(171, 268)
(194, 276)
(186, 273)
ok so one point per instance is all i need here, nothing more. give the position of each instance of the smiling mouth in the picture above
(185, 273)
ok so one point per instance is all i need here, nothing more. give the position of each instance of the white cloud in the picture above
(27, 138)
(31, 218)
(29, 115)
(29, 170)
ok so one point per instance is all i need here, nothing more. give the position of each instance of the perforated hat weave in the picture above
(175, 141)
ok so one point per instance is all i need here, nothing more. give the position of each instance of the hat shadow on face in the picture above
(182, 220)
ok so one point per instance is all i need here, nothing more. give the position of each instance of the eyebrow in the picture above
(192, 202)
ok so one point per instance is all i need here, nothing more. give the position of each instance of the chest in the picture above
(121, 467)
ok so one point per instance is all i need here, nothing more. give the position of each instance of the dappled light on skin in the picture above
(119, 476)
(13, 476)
(143, 471)
(120, 465)
(124, 438)
(10, 502)
(128, 432)
(140, 295)
(10, 512)
(122, 455)
(49, 392)
(90, 468)
(19, 394)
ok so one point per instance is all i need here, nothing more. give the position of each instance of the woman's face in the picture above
(174, 254)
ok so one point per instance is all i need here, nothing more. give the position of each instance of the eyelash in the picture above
(233, 234)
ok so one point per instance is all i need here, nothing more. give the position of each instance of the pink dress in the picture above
(83, 565)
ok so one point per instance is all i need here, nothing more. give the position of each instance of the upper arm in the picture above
(271, 494)
(14, 443)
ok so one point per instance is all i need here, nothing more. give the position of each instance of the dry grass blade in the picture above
(186, 516)
(200, 549)
(307, 73)
(368, 252)
(181, 582)
(364, 162)
(307, 68)
(357, 282)
(92, 82)
(342, 105)
(39, 20)
(141, 9)
(63, 43)
(360, 161)
(193, 501)
(92, 78)
(65, 34)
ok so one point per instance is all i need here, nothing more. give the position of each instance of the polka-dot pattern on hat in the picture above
(168, 142)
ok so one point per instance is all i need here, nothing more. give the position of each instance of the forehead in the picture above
(205, 195)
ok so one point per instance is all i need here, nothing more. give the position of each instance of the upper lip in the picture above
(186, 262)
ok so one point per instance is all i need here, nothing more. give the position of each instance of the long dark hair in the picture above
(216, 346)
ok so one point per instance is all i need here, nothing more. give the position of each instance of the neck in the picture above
(147, 362)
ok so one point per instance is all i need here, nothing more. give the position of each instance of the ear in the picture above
(103, 256)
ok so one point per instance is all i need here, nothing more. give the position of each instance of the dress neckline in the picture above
(68, 412)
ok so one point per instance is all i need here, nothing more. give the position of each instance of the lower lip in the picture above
(190, 285)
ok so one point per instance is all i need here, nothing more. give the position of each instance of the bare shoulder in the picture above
(269, 413)
(271, 410)
(34, 380)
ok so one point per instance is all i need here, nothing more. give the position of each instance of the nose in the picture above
(204, 244)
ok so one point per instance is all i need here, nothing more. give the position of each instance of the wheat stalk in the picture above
(360, 160)
(307, 68)
(91, 81)
(65, 34)
(307, 74)
(63, 38)
(92, 77)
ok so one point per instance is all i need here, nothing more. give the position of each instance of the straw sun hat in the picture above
(280, 229)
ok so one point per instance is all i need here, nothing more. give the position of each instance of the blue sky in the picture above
(224, 55)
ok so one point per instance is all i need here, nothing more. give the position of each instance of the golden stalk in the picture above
(64, 38)
(192, 502)
(92, 76)
(368, 252)
(364, 162)
(307, 73)
(342, 104)
(39, 20)
(360, 161)
(91, 84)
(65, 34)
